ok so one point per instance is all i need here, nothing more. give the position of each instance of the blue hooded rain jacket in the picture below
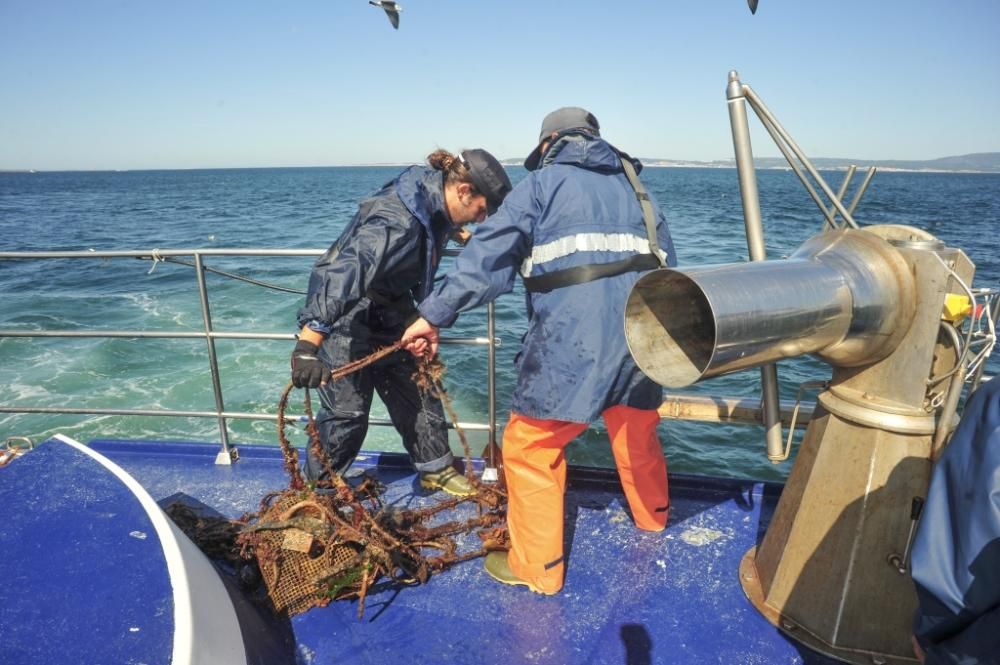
(956, 554)
(578, 209)
(386, 257)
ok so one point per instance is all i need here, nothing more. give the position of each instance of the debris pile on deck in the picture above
(317, 542)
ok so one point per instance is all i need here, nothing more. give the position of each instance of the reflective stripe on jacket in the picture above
(576, 210)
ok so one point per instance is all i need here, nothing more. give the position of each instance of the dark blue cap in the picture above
(559, 121)
(488, 176)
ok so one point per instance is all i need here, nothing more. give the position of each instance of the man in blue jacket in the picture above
(580, 229)
(956, 554)
(361, 296)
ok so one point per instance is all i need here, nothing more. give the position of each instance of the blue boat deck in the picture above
(630, 596)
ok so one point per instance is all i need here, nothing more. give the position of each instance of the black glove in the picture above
(307, 370)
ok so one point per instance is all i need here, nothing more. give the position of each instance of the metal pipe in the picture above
(963, 350)
(491, 371)
(830, 222)
(133, 412)
(745, 168)
(152, 334)
(862, 189)
(734, 410)
(848, 176)
(755, 245)
(762, 111)
(153, 253)
(206, 316)
(950, 406)
(994, 312)
(229, 415)
(215, 334)
(675, 406)
(846, 296)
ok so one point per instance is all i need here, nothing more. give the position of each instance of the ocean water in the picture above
(307, 208)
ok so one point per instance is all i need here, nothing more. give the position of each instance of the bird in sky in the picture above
(392, 10)
(752, 3)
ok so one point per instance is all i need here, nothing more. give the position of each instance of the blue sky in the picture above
(129, 84)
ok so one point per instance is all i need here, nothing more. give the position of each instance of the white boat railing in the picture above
(210, 334)
(678, 406)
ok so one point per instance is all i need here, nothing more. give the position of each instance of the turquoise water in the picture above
(307, 208)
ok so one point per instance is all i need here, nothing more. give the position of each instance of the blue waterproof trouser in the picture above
(343, 419)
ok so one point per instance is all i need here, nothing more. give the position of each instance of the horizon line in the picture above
(652, 162)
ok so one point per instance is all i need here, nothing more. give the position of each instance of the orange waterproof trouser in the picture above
(535, 470)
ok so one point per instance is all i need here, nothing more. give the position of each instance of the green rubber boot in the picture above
(496, 566)
(447, 479)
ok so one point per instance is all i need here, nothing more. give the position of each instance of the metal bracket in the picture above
(226, 456)
(795, 415)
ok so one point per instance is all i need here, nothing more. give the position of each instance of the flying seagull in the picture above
(752, 3)
(392, 10)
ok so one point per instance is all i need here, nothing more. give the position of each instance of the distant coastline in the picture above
(786, 167)
(983, 162)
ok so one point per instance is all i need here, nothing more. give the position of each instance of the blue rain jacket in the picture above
(956, 553)
(578, 209)
(387, 254)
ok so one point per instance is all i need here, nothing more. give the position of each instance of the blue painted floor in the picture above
(630, 596)
(84, 574)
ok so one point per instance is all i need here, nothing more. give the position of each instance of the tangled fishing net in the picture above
(315, 543)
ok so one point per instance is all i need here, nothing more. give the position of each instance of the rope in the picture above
(429, 379)
(157, 258)
(310, 545)
(356, 365)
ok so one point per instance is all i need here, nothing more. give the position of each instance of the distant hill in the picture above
(980, 162)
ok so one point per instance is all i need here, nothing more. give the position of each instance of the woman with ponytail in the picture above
(362, 295)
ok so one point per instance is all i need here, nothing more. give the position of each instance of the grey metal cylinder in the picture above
(846, 296)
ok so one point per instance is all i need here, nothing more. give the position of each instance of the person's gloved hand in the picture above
(307, 370)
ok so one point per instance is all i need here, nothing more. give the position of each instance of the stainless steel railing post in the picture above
(755, 244)
(848, 176)
(782, 137)
(208, 333)
(994, 315)
(861, 190)
(225, 455)
(491, 371)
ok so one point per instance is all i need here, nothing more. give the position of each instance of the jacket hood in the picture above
(587, 152)
(421, 190)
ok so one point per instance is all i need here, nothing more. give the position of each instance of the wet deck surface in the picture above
(84, 570)
(630, 596)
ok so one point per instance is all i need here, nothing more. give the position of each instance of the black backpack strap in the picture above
(648, 215)
(557, 279)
